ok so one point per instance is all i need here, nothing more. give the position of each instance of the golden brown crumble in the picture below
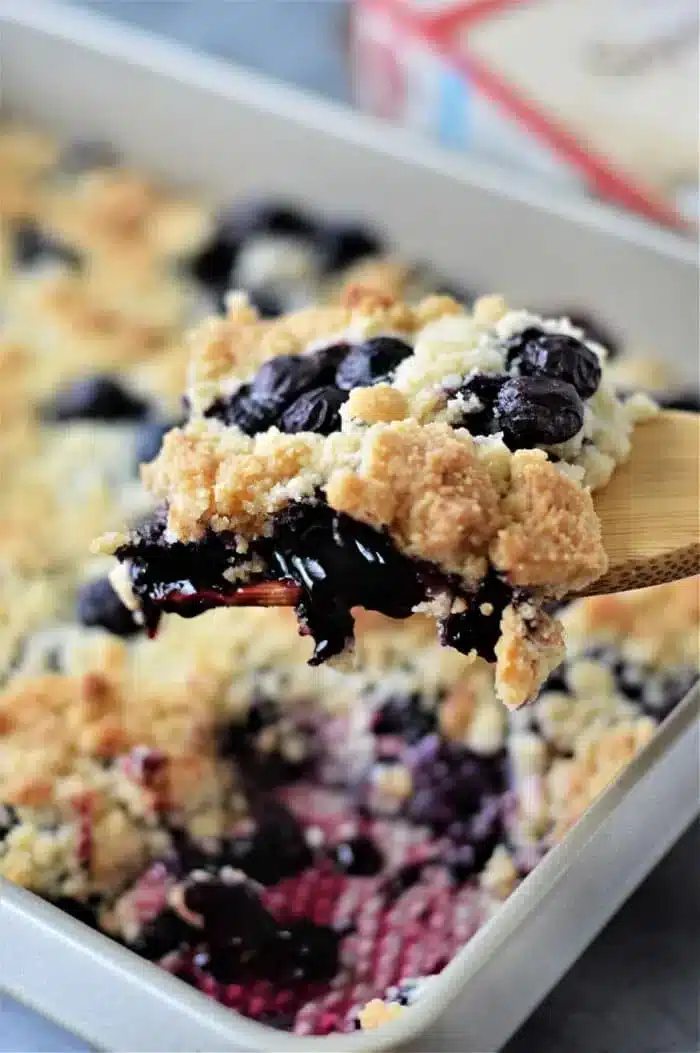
(378, 405)
(526, 654)
(553, 537)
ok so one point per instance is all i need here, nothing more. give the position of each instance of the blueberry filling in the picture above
(98, 398)
(406, 716)
(372, 362)
(316, 411)
(538, 411)
(33, 245)
(268, 747)
(99, 606)
(451, 785)
(478, 627)
(556, 355)
(165, 933)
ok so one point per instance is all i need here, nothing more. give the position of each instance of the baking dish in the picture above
(84, 77)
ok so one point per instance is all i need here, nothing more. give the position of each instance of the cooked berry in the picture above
(283, 219)
(358, 856)
(149, 439)
(371, 362)
(163, 934)
(243, 411)
(33, 245)
(317, 411)
(99, 606)
(281, 380)
(269, 760)
(267, 302)
(302, 951)
(538, 411)
(403, 879)
(85, 154)
(450, 783)
(406, 716)
(478, 627)
(213, 264)
(556, 355)
(343, 244)
(231, 909)
(85, 912)
(481, 420)
(474, 839)
(96, 398)
(275, 849)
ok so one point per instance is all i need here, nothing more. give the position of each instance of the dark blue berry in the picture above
(81, 911)
(358, 856)
(342, 244)
(281, 380)
(406, 716)
(275, 850)
(556, 355)
(34, 245)
(82, 155)
(302, 951)
(149, 439)
(538, 411)
(282, 219)
(100, 397)
(99, 606)
(232, 910)
(372, 362)
(317, 411)
(165, 933)
(213, 264)
(450, 783)
(486, 388)
(242, 410)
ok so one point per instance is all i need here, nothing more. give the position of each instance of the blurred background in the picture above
(602, 102)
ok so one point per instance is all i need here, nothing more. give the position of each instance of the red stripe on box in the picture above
(609, 182)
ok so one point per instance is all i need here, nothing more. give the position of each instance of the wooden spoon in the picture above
(650, 509)
(649, 513)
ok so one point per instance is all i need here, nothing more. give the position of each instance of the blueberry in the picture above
(486, 388)
(33, 245)
(243, 411)
(478, 627)
(405, 716)
(302, 951)
(277, 848)
(165, 933)
(231, 910)
(558, 356)
(283, 219)
(343, 244)
(450, 783)
(317, 411)
(99, 605)
(538, 411)
(371, 362)
(358, 856)
(149, 439)
(281, 380)
(100, 397)
(82, 155)
(81, 911)
(213, 264)
(266, 302)
(226, 964)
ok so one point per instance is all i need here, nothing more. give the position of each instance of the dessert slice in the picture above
(396, 458)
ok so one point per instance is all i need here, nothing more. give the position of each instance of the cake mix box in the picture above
(597, 96)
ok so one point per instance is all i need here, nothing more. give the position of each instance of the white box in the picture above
(200, 122)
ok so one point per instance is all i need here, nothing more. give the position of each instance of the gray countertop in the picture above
(636, 988)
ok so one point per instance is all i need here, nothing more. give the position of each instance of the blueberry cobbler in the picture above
(306, 844)
(398, 458)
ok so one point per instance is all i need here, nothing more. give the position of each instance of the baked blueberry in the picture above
(302, 951)
(231, 909)
(485, 387)
(149, 439)
(317, 410)
(281, 380)
(99, 606)
(82, 155)
(163, 934)
(243, 411)
(357, 856)
(34, 245)
(342, 244)
(478, 627)
(283, 219)
(100, 397)
(450, 783)
(538, 411)
(556, 355)
(371, 362)
(406, 716)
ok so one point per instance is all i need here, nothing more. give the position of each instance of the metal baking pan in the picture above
(202, 123)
